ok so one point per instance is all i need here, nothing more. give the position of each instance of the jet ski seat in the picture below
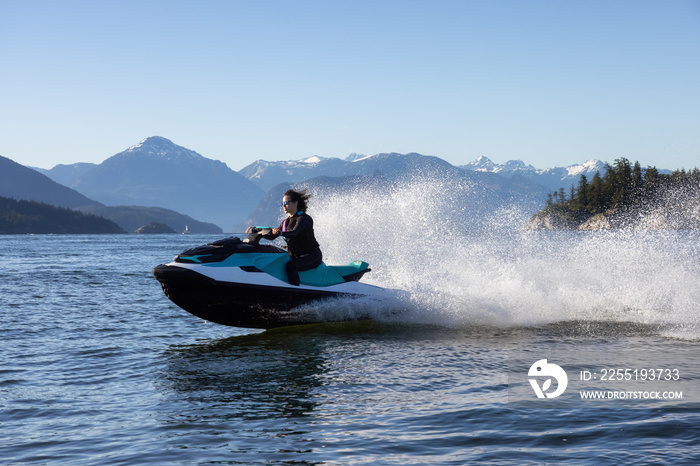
(326, 275)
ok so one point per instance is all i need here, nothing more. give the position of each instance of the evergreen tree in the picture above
(582, 194)
(594, 195)
(637, 178)
(608, 187)
(624, 187)
(652, 176)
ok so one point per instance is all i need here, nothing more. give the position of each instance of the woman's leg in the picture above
(292, 273)
(301, 263)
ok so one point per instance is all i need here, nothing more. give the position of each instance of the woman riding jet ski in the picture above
(298, 232)
(243, 283)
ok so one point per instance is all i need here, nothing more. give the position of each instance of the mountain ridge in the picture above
(476, 195)
(23, 183)
(159, 173)
(268, 174)
(552, 178)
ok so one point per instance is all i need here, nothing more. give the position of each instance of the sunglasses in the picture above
(286, 202)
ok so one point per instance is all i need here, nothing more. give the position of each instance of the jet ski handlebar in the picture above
(257, 233)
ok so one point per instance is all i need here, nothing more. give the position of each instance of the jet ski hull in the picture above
(246, 303)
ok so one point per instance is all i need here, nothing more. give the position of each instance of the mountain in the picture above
(67, 175)
(23, 183)
(437, 189)
(552, 178)
(156, 172)
(267, 212)
(269, 174)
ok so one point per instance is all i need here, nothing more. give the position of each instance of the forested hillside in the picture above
(24, 217)
(624, 194)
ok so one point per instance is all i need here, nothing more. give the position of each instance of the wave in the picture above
(449, 262)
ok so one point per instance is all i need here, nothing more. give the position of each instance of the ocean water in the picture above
(97, 366)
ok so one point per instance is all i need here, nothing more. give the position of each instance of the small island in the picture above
(625, 197)
(154, 228)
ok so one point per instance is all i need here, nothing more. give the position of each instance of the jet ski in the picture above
(242, 283)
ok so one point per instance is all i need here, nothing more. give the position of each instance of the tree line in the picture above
(623, 186)
(31, 217)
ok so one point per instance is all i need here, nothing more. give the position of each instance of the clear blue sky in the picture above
(549, 82)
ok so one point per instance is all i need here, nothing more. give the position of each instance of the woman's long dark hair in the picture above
(300, 197)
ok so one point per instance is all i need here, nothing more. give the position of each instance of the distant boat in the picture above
(187, 230)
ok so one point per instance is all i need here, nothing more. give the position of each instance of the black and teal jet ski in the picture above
(242, 283)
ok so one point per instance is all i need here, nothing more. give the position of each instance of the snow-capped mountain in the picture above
(269, 174)
(459, 197)
(552, 178)
(161, 148)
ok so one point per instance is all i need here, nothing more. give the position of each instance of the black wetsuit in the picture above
(302, 246)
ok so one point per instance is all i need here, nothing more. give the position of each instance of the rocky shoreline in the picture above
(677, 217)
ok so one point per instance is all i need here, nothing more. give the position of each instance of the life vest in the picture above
(305, 242)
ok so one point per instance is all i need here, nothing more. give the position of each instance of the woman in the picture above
(298, 231)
